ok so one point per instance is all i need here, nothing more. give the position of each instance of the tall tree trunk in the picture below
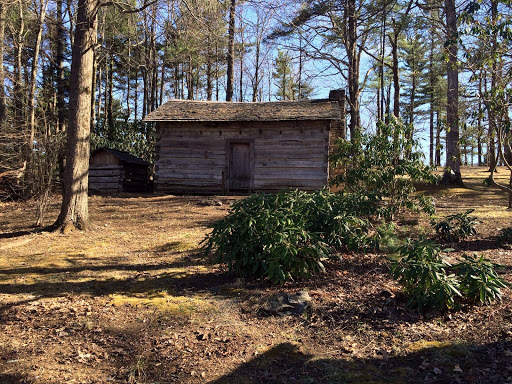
(74, 210)
(412, 100)
(3, 107)
(162, 82)
(18, 84)
(100, 107)
(378, 111)
(209, 91)
(217, 75)
(129, 79)
(492, 115)
(71, 18)
(452, 174)
(190, 80)
(432, 80)
(396, 76)
(241, 82)
(105, 95)
(381, 66)
(353, 68)
(154, 88)
(438, 140)
(136, 96)
(33, 71)
(109, 98)
(231, 52)
(387, 112)
(479, 122)
(145, 86)
(176, 81)
(61, 83)
(299, 95)
(93, 87)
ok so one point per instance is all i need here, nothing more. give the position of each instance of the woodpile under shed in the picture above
(112, 171)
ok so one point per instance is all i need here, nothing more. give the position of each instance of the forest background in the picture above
(392, 57)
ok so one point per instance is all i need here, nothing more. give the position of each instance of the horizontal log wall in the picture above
(106, 178)
(193, 157)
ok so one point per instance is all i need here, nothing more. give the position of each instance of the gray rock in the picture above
(282, 304)
(209, 203)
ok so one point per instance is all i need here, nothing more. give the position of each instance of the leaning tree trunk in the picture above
(74, 210)
(452, 174)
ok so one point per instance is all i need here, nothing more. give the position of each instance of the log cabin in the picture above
(112, 171)
(227, 147)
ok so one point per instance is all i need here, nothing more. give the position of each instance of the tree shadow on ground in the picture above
(6, 378)
(172, 281)
(479, 245)
(26, 232)
(192, 259)
(447, 363)
(130, 200)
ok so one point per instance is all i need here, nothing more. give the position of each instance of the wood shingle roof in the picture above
(187, 110)
(123, 156)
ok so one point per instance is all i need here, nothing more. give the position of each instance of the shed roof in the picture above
(187, 110)
(123, 156)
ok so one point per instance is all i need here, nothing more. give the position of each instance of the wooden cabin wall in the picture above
(104, 158)
(194, 156)
(106, 178)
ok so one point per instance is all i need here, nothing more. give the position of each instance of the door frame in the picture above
(229, 142)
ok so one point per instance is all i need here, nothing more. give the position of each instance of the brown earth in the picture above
(135, 301)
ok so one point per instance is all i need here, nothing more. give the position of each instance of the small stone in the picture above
(282, 304)
(437, 371)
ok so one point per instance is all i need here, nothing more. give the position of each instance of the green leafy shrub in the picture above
(456, 227)
(286, 235)
(386, 237)
(432, 283)
(479, 280)
(504, 236)
(384, 167)
(422, 271)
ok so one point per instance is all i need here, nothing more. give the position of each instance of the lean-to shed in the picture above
(112, 171)
(217, 147)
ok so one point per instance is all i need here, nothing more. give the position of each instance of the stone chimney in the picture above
(338, 129)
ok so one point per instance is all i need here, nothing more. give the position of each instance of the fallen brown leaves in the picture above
(136, 302)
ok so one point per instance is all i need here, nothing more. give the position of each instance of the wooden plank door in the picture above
(240, 166)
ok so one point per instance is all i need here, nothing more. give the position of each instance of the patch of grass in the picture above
(425, 344)
(137, 371)
(177, 306)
